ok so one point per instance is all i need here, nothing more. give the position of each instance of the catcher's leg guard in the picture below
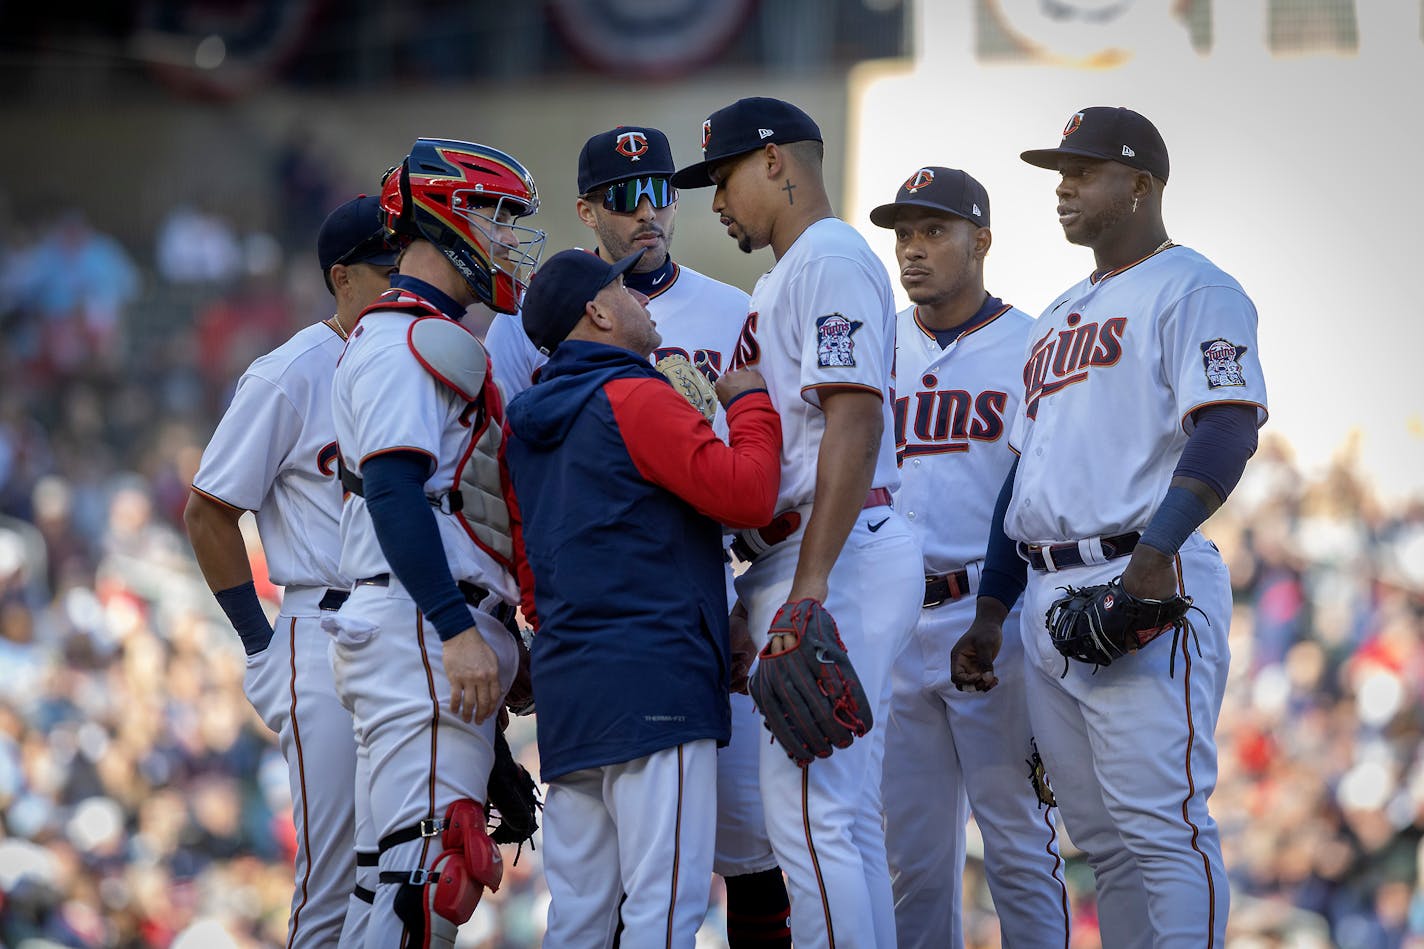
(433, 903)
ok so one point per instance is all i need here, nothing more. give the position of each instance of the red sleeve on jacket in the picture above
(674, 447)
(523, 573)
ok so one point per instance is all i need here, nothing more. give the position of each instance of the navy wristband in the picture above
(245, 612)
(1181, 513)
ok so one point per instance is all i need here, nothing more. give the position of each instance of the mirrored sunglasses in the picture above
(623, 197)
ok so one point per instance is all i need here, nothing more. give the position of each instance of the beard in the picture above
(1089, 230)
(619, 247)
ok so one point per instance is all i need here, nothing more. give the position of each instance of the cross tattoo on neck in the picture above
(788, 188)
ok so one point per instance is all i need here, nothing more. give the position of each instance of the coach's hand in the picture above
(971, 662)
(473, 671)
(734, 383)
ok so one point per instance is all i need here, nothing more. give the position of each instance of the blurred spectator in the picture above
(197, 246)
(75, 282)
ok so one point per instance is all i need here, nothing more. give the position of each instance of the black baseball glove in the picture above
(809, 693)
(513, 796)
(1101, 623)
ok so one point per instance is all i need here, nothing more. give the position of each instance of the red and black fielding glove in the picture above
(809, 693)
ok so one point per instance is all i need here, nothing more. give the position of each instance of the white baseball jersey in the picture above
(274, 452)
(1136, 351)
(953, 406)
(822, 317)
(698, 317)
(386, 401)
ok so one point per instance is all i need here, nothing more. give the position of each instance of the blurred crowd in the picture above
(143, 804)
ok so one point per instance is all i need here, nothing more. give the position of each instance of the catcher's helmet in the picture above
(464, 198)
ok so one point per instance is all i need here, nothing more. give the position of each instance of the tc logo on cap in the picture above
(631, 144)
(706, 133)
(918, 180)
(1073, 124)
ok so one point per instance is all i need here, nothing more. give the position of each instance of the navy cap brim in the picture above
(698, 175)
(884, 216)
(625, 265)
(1048, 157)
(386, 258)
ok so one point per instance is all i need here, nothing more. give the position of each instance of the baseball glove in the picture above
(1038, 777)
(691, 383)
(1104, 622)
(809, 693)
(512, 795)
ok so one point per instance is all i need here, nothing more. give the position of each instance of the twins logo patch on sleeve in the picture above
(834, 343)
(1221, 360)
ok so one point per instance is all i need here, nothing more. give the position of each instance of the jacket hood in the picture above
(543, 414)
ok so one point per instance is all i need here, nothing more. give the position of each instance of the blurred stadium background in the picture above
(165, 167)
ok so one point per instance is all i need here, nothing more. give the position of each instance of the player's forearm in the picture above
(845, 467)
(222, 556)
(217, 542)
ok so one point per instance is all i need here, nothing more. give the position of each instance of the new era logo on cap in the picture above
(1128, 152)
(765, 133)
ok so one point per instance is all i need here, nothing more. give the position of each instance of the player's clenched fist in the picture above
(473, 671)
(734, 383)
(971, 662)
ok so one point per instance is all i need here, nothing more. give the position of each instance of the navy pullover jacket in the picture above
(621, 486)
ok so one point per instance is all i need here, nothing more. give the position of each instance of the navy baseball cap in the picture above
(559, 291)
(354, 233)
(1112, 134)
(628, 151)
(939, 189)
(742, 127)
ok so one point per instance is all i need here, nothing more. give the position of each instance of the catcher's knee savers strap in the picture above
(1054, 557)
(430, 900)
(751, 543)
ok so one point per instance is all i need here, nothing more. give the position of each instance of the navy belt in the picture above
(473, 593)
(332, 600)
(1070, 555)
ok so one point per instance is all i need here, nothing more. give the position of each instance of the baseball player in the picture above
(1152, 358)
(631, 666)
(421, 654)
(626, 199)
(274, 453)
(821, 329)
(957, 358)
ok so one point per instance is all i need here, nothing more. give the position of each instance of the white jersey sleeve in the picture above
(395, 405)
(1210, 352)
(251, 443)
(845, 336)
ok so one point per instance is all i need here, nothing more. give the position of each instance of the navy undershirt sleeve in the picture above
(410, 538)
(1219, 446)
(1005, 573)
